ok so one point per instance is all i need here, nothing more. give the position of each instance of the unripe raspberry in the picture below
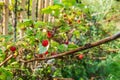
(81, 56)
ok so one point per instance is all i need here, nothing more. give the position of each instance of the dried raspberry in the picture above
(49, 34)
(40, 55)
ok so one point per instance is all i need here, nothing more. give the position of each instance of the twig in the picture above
(7, 59)
(85, 47)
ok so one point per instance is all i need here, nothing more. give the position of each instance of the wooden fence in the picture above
(33, 12)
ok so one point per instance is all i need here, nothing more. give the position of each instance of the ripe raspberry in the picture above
(46, 53)
(13, 48)
(45, 43)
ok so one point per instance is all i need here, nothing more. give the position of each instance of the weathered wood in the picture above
(5, 17)
(40, 6)
(12, 14)
(34, 9)
(46, 15)
(60, 1)
(49, 16)
(23, 15)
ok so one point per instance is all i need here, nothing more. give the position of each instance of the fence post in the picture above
(50, 16)
(40, 6)
(1, 21)
(34, 9)
(46, 3)
(5, 17)
(23, 15)
(60, 1)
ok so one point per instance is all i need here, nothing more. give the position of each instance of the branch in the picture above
(7, 59)
(85, 47)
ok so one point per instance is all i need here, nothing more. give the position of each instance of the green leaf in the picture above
(39, 23)
(55, 7)
(62, 48)
(0, 51)
(83, 28)
(15, 64)
(54, 44)
(20, 79)
(27, 22)
(69, 2)
(72, 46)
(65, 28)
(50, 9)
(77, 33)
(56, 1)
(5, 74)
(1, 3)
(47, 10)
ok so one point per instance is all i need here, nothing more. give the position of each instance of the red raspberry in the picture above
(45, 43)
(46, 53)
(81, 56)
(13, 48)
(49, 34)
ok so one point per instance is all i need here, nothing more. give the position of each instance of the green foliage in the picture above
(75, 23)
(5, 74)
(68, 3)
(1, 3)
(111, 67)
